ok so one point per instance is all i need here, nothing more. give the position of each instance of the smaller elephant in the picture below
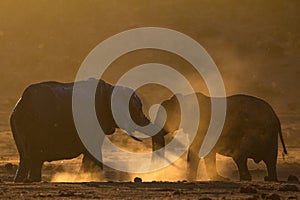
(250, 130)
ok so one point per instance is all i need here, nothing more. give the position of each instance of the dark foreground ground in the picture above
(112, 189)
(150, 190)
(59, 177)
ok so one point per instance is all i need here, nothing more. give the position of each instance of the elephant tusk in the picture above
(136, 139)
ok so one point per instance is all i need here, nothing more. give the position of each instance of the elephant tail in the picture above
(281, 137)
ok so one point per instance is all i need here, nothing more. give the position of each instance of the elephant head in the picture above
(120, 107)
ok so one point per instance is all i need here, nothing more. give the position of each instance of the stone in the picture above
(137, 180)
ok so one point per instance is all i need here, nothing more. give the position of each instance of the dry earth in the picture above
(169, 183)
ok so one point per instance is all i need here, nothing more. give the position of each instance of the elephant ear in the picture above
(171, 115)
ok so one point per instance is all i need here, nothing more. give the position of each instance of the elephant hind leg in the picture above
(271, 168)
(22, 172)
(241, 163)
(211, 168)
(23, 169)
(192, 165)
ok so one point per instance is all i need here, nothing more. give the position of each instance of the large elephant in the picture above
(43, 127)
(251, 130)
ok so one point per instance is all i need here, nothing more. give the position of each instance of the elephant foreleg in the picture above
(89, 166)
(89, 170)
(241, 163)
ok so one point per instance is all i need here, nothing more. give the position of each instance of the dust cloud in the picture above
(255, 45)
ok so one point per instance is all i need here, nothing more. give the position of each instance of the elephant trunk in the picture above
(158, 143)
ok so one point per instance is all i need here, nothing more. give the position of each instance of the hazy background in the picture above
(254, 43)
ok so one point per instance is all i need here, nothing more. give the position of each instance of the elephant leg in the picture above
(211, 168)
(271, 168)
(158, 144)
(89, 166)
(35, 170)
(89, 170)
(22, 172)
(241, 163)
(192, 165)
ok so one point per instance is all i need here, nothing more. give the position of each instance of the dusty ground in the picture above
(152, 190)
(59, 178)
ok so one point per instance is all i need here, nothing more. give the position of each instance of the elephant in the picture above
(251, 130)
(43, 127)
